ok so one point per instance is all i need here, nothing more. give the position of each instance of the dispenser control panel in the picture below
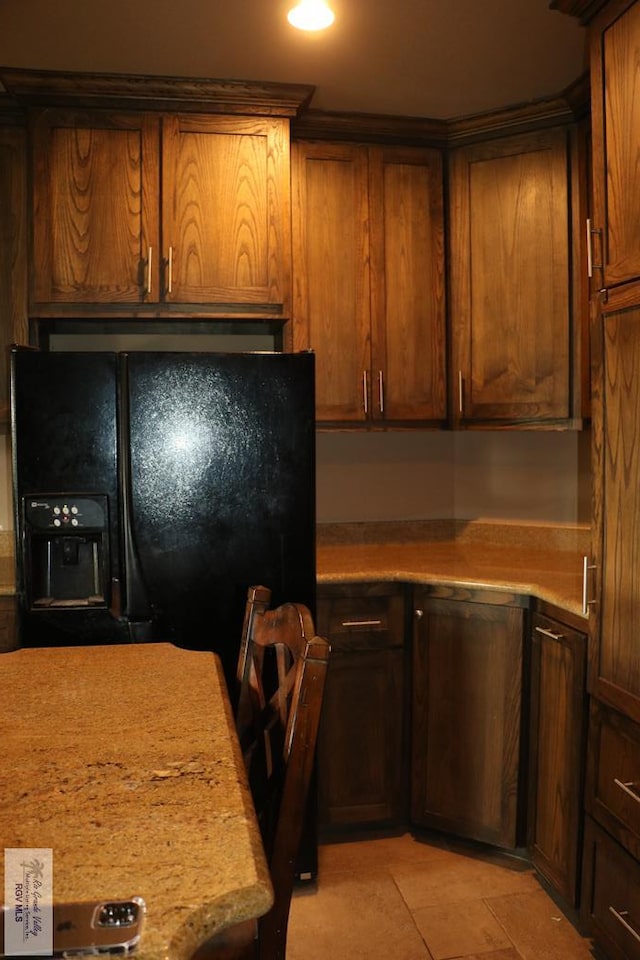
(66, 512)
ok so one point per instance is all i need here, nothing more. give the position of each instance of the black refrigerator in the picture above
(152, 489)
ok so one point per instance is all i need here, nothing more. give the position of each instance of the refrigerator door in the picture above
(66, 501)
(221, 491)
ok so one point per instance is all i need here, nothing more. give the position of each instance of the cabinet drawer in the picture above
(362, 623)
(613, 780)
(612, 900)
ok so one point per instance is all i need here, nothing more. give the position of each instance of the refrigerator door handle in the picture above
(136, 601)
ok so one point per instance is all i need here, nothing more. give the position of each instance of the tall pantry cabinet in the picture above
(611, 876)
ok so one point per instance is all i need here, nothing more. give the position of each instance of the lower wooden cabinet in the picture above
(557, 750)
(466, 762)
(361, 746)
(611, 898)
(8, 638)
(612, 793)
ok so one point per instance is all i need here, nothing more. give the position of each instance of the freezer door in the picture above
(64, 448)
(221, 486)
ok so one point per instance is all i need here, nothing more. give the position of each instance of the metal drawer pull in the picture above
(149, 262)
(381, 390)
(362, 623)
(460, 393)
(620, 918)
(365, 392)
(627, 788)
(550, 634)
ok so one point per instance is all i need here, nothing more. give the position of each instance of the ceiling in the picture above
(427, 58)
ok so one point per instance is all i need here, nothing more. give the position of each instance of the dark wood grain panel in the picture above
(467, 697)
(510, 280)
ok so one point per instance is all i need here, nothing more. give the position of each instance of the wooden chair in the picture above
(281, 674)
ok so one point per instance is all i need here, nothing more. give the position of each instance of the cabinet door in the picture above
(361, 760)
(615, 110)
(226, 210)
(95, 208)
(615, 674)
(510, 280)
(331, 308)
(407, 284)
(13, 247)
(467, 680)
(558, 743)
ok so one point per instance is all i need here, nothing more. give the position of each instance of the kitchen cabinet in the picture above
(8, 638)
(615, 111)
(612, 896)
(615, 579)
(361, 756)
(13, 248)
(139, 208)
(557, 752)
(368, 280)
(518, 311)
(467, 734)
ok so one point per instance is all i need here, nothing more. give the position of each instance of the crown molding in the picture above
(569, 106)
(583, 10)
(131, 91)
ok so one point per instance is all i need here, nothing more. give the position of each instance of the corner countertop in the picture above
(123, 760)
(540, 560)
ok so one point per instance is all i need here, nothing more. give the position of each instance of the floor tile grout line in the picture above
(429, 955)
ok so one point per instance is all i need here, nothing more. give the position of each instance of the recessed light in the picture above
(311, 15)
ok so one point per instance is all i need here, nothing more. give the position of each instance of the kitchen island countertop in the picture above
(123, 760)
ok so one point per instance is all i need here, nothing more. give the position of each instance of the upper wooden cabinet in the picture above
(368, 270)
(615, 108)
(517, 312)
(140, 208)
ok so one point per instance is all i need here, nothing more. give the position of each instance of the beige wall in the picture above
(514, 475)
(425, 475)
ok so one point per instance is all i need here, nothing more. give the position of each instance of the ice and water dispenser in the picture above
(66, 550)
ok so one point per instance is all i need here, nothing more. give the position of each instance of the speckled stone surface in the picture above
(124, 760)
(540, 560)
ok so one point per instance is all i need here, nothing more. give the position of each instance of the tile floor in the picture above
(402, 898)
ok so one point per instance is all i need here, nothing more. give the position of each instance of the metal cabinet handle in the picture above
(550, 633)
(362, 623)
(149, 265)
(627, 788)
(586, 603)
(418, 614)
(170, 271)
(381, 390)
(591, 266)
(365, 392)
(460, 393)
(620, 915)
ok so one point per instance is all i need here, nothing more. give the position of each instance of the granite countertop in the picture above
(540, 560)
(124, 761)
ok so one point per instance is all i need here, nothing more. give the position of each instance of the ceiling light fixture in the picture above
(311, 15)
